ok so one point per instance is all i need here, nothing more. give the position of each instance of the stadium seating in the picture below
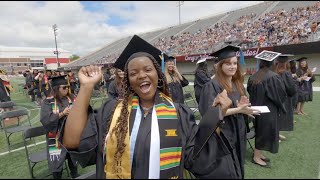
(250, 23)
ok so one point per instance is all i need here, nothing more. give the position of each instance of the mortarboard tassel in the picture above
(242, 62)
(257, 65)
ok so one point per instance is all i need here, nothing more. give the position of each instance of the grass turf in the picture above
(298, 156)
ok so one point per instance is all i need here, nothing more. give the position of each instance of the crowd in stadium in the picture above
(273, 28)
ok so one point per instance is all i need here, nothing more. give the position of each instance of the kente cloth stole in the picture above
(53, 138)
(170, 151)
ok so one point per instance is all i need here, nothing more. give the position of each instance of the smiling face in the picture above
(143, 77)
(170, 65)
(229, 67)
(120, 73)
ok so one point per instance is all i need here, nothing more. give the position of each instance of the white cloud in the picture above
(81, 32)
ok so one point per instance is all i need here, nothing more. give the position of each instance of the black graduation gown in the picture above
(214, 161)
(294, 98)
(47, 89)
(176, 91)
(200, 79)
(269, 92)
(305, 91)
(3, 93)
(286, 119)
(234, 126)
(52, 123)
(107, 80)
(113, 90)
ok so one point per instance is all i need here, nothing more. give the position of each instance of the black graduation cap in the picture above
(284, 57)
(135, 45)
(225, 51)
(58, 80)
(302, 58)
(170, 58)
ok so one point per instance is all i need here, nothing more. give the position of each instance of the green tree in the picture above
(74, 57)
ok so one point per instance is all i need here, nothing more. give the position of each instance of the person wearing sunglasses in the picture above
(54, 111)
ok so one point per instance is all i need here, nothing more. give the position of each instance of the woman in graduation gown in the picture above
(115, 90)
(293, 70)
(229, 77)
(175, 81)
(124, 139)
(266, 88)
(54, 111)
(4, 93)
(305, 90)
(286, 119)
(72, 82)
(201, 77)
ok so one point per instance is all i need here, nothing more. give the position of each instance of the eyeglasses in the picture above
(64, 87)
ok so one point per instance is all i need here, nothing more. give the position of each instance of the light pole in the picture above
(180, 4)
(54, 27)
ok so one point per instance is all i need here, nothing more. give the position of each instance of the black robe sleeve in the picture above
(205, 100)
(202, 77)
(184, 82)
(289, 84)
(215, 159)
(112, 91)
(90, 149)
(48, 119)
(275, 91)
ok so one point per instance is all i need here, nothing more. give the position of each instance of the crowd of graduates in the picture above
(145, 129)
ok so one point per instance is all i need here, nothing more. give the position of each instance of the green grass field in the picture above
(298, 157)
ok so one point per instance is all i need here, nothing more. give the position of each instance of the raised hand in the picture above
(90, 75)
(224, 101)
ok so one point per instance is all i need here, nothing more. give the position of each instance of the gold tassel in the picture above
(69, 89)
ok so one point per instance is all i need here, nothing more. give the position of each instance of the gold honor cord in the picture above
(122, 168)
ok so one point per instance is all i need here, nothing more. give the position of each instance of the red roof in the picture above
(54, 60)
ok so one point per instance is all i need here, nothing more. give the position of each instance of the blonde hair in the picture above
(171, 77)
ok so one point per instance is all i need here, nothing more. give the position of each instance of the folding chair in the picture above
(38, 156)
(6, 106)
(251, 134)
(16, 127)
(35, 157)
(190, 101)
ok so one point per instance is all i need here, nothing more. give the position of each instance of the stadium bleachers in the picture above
(204, 23)
(256, 9)
(288, 5)
(189, 37)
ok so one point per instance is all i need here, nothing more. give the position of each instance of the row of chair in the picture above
(12, 120)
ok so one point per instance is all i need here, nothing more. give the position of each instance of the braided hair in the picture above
(121, 127)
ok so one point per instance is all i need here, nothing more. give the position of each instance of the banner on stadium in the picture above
(248, 53)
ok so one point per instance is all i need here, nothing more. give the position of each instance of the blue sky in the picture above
(113, 19)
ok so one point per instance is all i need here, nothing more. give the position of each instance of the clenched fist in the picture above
(90, 75)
